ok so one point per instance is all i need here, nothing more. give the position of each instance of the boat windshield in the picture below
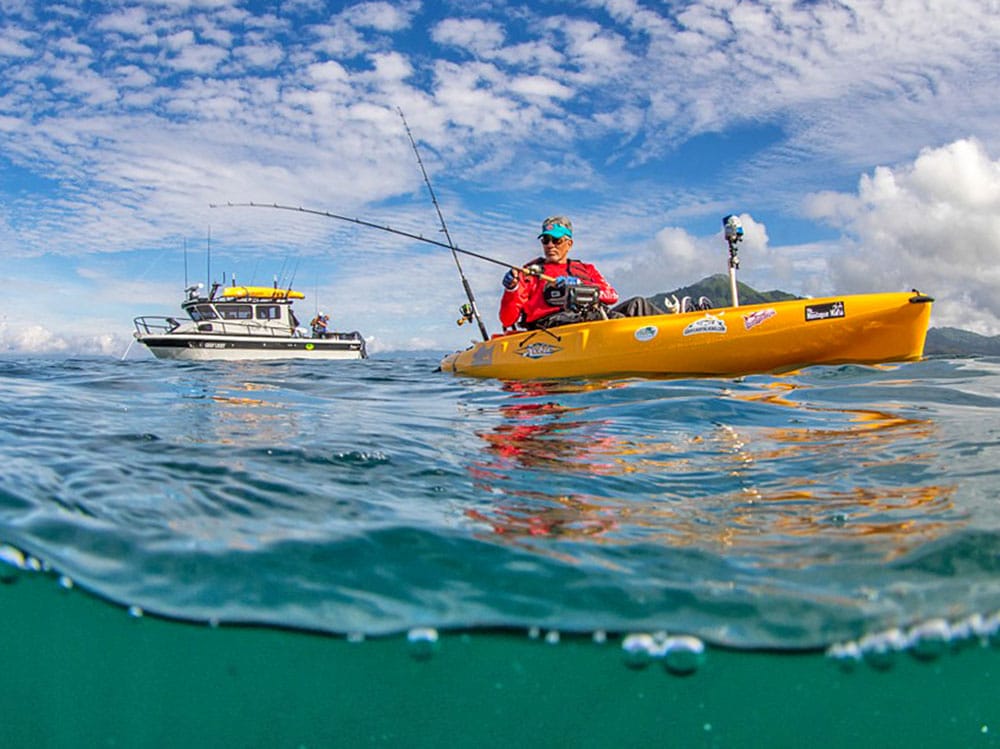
(268, 312)
(202, 312)
(235, 311)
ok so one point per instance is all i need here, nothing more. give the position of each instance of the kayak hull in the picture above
(775, 337)
(207, 347)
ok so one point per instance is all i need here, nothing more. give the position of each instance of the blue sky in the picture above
(858, 141)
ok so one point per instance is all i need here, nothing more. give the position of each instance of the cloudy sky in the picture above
(858, 140)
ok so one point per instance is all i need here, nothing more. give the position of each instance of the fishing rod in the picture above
(470, 311)
(529, 271)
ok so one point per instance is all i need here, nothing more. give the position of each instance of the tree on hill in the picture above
(717, 289)
(957, 342)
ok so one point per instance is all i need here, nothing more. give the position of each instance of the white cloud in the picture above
(677, 258)
(480, 37)
(195, 58)
(381, 16)
(932, 224)
(31, 339)
(14, 42)
(132, 21)
(260, 55)
(537, 86)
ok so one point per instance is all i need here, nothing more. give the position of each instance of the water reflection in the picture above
(776, 475)
(247, 410)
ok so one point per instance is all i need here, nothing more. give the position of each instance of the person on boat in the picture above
(531, 301)
(319, 324)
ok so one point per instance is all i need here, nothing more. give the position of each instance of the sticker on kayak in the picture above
(755, 318)
(707, 324)
(824, 311)
(646, 333)
(539, 350)
(482, 356)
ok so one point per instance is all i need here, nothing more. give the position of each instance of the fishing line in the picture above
(473, 311)
(381, 227)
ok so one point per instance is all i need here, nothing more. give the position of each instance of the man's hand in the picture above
(567, 281)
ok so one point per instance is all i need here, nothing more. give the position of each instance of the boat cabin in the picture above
(235, 317)
(232, 311)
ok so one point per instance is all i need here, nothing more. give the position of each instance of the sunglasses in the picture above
(546, 239)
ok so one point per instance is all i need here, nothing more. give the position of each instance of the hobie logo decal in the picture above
(754, 319)
(824, 311)
(538, 350)
(707, 324)
(646, 333)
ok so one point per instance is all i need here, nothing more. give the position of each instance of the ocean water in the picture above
(354, 553)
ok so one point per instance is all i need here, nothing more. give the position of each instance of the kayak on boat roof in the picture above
(260, 292)
(730, 341)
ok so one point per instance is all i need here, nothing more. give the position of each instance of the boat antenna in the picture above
(733, 230)
(208, 258)
(471, 310)
(185, 262)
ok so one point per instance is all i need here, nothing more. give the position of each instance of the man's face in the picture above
(556, 250)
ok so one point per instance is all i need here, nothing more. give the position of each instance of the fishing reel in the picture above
(733, 231)
(580, 297)
(466, 314)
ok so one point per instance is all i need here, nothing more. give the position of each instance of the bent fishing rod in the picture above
(529, 271)
(473, 310)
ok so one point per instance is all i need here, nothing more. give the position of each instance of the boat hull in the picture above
(191, 347)
(776, 337)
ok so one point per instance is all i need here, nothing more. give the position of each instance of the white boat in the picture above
(242, 323)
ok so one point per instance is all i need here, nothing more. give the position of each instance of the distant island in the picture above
(944, 341)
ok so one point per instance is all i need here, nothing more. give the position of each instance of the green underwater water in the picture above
(80, 672)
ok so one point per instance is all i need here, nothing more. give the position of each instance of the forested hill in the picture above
(716, 288)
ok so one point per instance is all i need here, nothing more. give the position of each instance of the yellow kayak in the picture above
(774, 337)
(260, 292)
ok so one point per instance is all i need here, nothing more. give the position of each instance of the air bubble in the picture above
(683, 654)
(12, 556)
(879, 649)
(639, 650)
(967, 628)
(846, 653)
(355, 637)
(552, 637)
(66, 582)
(929, 639)
(991, 628)
(422, 642)
(600, 637)
(135, 611)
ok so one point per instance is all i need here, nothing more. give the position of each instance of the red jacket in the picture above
(525, 303)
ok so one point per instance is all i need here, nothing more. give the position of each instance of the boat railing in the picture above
(152, 325)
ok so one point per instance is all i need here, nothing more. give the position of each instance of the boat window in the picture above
(235, 311)
(202, 312)
(268, 312)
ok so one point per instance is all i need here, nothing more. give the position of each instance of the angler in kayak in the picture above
(558, 290)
